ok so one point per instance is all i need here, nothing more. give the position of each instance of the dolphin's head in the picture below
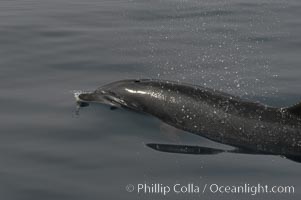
(125, 93)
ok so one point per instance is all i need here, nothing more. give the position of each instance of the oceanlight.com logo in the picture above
(191, 188)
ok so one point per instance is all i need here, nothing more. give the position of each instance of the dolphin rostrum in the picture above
(209, 113)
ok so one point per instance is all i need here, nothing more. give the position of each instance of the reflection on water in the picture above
(49, 48)
(198, 150)
(185, 149)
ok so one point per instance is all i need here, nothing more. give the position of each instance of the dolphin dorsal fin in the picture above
(295, 109)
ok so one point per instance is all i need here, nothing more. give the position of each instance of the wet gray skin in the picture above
(209, 113)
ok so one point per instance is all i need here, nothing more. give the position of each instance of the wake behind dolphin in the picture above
(209, 113)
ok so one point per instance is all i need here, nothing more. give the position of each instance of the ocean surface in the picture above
(51, 48)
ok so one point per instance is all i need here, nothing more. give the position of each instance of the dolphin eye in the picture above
(137, 81)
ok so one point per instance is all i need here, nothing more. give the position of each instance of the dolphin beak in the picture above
(82, 97)
(86, 98)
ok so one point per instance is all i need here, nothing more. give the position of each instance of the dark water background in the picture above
(50, 48)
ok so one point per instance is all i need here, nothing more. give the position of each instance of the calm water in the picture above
(50, 48)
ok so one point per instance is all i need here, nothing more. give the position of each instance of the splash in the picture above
(79, 102)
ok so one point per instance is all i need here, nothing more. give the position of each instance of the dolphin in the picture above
(218, 116)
